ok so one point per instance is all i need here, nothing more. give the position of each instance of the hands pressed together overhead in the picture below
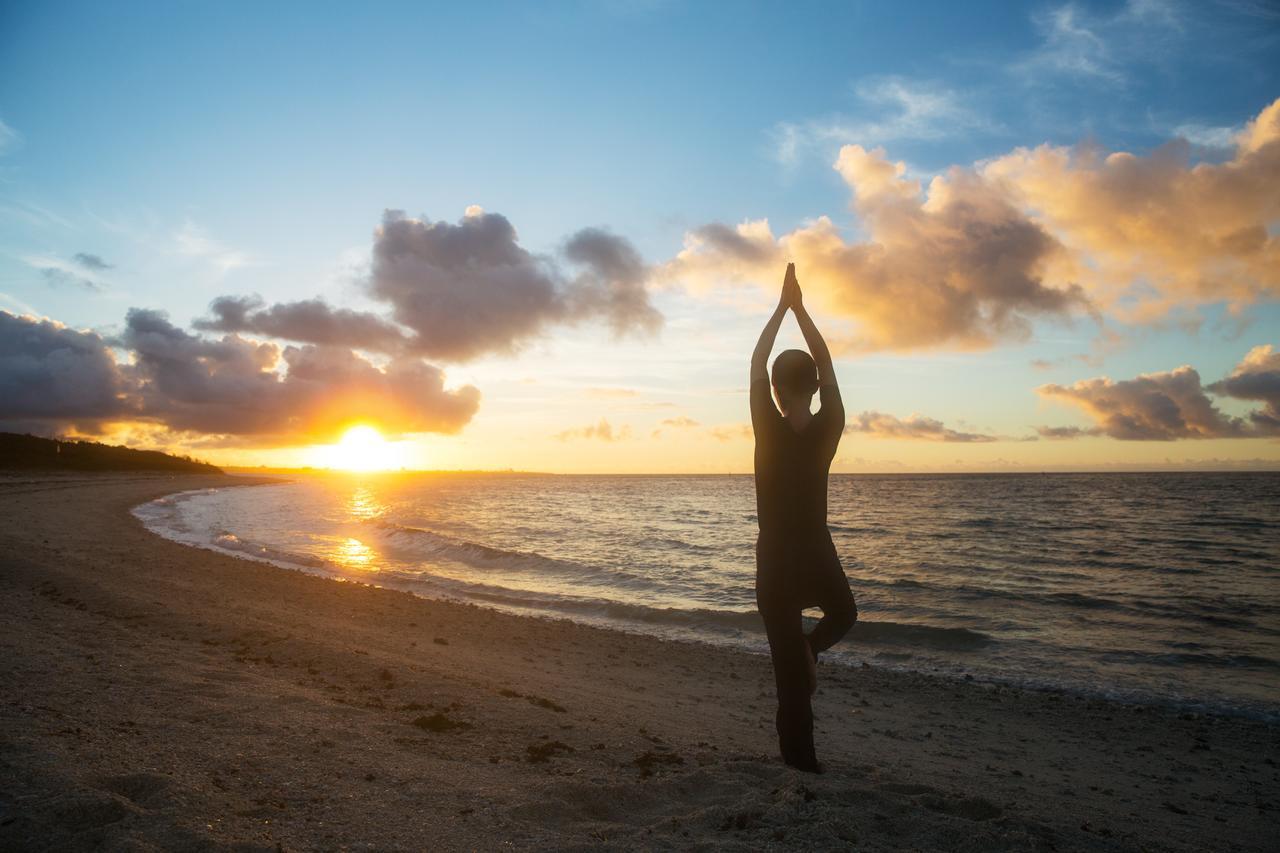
(791, 296)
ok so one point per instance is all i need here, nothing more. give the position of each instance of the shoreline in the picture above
(674, 632)
(160, 694)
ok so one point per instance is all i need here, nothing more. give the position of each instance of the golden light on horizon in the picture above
(361, 448)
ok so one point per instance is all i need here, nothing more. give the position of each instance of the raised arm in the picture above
(812, 337)
(764, 346)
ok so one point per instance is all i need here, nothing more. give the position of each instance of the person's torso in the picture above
(791, 468)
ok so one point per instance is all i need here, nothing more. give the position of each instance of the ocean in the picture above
(1154, 588)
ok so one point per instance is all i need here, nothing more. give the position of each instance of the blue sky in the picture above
(210, 149)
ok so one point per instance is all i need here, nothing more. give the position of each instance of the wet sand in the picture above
(160, 697)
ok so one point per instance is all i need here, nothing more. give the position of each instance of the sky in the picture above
(546, 236)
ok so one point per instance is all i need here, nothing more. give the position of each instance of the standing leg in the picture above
(790, 671)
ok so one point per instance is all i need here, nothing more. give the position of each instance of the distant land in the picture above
(31, 452)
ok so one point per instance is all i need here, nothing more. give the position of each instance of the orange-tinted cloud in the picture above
(1174, 405)
(54, 379)
(957, 266)
(1148, 233)
(980, 253)
(881, 425)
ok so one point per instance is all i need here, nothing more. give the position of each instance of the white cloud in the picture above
(193, 241)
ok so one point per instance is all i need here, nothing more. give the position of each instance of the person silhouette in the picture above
(796, 562)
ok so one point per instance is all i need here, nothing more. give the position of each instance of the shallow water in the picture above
(1150, 587)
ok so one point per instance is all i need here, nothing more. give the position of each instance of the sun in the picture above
(362, 448)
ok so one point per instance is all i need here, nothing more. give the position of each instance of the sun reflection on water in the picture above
(351, 553)
(363, 504)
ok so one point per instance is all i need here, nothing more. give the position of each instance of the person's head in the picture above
(795, 379)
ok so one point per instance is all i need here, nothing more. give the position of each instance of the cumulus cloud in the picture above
(468, 289)
(308, 321)
(50, 373)
(1149, 233)
(233, 385)
(603, 431)
(611, 283)
(882, 425)
(1170, 405)
(978, 254)
(1257, 377)
(52, 377)
(959, 266)
(463, 290)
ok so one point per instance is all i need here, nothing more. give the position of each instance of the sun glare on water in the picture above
(362, 448)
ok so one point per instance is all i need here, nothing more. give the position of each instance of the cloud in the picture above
(882, 425)
(469, 289)
(1067, 432)
(49, 372)
(193, 241)
(979, 254)
(959, 266)
(1257, 377)
(1145, 234)
(903, 108)
(1082, 45)
(58, 273)
(232, 386)
(731, 432)
(1152, 407)
(611, 284)
(680, 422)
(603, 431)
(92, 262)
(308, 321)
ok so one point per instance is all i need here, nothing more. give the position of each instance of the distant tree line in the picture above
(33, 452)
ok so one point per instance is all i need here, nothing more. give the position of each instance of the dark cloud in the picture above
(50, 373)
(914, 427)
(462, 290)
(1067, 432)
(1257, 377)
(232, 385)
(309, 321)
(92, 262)
(611, 284)
(469, 288)
(1152, 407)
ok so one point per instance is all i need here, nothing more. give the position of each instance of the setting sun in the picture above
(361, 448)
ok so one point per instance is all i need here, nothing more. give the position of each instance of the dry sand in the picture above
(161, 697)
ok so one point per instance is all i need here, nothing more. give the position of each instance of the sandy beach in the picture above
(159, 697)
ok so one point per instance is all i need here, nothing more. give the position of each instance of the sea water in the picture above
(1146, 587)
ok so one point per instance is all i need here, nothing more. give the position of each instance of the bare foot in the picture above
(813, 668)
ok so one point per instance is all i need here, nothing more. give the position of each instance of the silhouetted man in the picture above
(796, 562)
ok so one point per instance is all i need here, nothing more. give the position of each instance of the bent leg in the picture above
(839, 610)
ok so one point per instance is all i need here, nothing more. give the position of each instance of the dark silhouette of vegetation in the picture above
(51, 454)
